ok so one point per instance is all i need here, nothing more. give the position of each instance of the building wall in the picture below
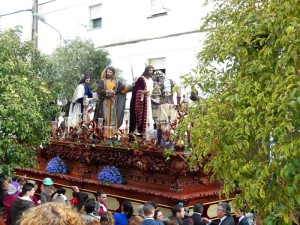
(129, 32)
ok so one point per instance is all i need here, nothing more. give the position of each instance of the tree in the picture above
(26, 102)
(73, 60)
(249, 73)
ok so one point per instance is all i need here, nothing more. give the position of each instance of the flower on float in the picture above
(110, 174)
(56, 165)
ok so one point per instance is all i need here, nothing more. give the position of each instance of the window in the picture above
(159, 7)
(96, 16)
(158, 64)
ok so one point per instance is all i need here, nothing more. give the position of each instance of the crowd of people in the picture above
(152, 95)
(20, 206)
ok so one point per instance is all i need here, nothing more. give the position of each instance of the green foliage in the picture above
(72, 60)
(249, 71)
(26, 102)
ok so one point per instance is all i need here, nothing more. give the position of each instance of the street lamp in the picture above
(42, 19)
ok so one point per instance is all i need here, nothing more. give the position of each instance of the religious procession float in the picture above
(151, 167)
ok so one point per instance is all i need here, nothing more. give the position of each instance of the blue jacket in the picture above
(151, 221)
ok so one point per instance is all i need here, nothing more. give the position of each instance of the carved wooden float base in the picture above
(148, 176)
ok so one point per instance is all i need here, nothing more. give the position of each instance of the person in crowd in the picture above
(2, 221)
(178, 212)
(59, 196)
(89, 207)
(188, 221)
(111, 103)
(49, 189)
(33, 198)
(77, 104)
(141, 118)
(141, 212)
(158, 215)
(187, 212)
(3, 192)
(172, 220)
(107, 218)
(82, 197)
(78, 198)
(149, 215)
(12, 195)
(21, 204)
(250, 216)
(197, 215)
(223, 213)
(126, 213)
(51, 213)
(240, 214)
(153, 203)
(135, 220)
(101, 207)
(93, 222)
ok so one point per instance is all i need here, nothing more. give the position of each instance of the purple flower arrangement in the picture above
(56, 165)
(110, 175)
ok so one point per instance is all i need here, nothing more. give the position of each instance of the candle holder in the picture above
(100, 123)
(79, 118)
(54, 125)
(126, 128)
(66, 126)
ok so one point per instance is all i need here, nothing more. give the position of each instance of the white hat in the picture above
(11, 190)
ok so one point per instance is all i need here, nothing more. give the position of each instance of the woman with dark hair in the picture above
(77, 105)
(140, 104)
(112, 97)
(127, 212)
(158, 215)
(107, 218)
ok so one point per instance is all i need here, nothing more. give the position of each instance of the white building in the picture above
(162, 33)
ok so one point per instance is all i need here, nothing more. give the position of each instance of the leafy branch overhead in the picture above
(249, 123)
(72, 60)
(27, 102)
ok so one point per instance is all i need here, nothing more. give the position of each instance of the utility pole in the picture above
(34, 23)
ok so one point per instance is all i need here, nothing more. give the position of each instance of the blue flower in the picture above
(110, 175)
(56, 165)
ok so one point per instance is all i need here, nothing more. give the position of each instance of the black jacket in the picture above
(244, 221)
(227, 221)
(19, 206)
(197, 219)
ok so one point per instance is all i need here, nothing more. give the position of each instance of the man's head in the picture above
(101, 197)
(149, 70)
(178, 211)
(89, 205)
(198, 207)
(240, 212)
(140, 210)
(223, 209)
(110, 72)
(148, 210)
(28, 189)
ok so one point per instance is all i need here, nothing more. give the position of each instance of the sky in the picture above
(22, 18)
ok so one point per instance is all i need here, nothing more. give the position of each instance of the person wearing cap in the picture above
(12, 195)
(21, 204)
(49, 189)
